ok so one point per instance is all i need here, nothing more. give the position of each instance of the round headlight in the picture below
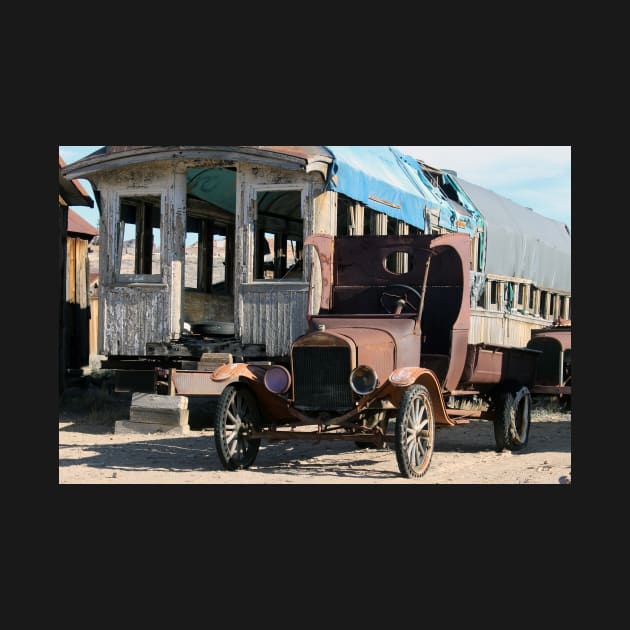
(277, 379)
(363, 380)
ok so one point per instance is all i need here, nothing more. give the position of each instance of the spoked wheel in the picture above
(237, 415)
(415, 432)
(512, 419)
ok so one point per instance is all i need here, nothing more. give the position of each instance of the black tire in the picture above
(237, 414)
(415, 432)
(512, 419)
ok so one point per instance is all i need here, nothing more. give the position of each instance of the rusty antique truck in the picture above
(553, 371)
(386, 357)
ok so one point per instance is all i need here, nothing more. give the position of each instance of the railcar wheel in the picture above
(512, 418)
(415, 432)
(237, 415)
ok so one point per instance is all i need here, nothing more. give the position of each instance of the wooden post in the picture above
(526, 290)
(402, 260)
(487, 295)
(325, 213)
(356, 219)
(229, 259)
(546, 305)
(259, 263)
(204, 279)
(173, 214)
(556, 306)
(379, 224)
(280, 255)
(500, 295)
(536, 301)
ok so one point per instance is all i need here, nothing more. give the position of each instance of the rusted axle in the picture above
(318, 436)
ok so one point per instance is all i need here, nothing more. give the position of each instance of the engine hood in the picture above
(368, 346)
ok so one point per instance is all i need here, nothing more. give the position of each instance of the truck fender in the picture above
(402, 378)
(271, 406)
(231, 372)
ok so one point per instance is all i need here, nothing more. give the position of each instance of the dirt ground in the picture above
(91, 453)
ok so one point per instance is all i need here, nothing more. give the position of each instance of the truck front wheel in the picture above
(512, 418)
(236, 417)
(415, 432)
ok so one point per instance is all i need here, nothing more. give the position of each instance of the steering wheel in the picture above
(394, 294)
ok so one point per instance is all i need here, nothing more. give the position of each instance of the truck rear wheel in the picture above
(512, 418)
(237, 415)
(415, 432)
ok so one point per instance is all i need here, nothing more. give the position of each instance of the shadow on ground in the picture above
(478, 436)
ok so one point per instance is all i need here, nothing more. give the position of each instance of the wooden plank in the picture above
(70, 271)
(156, 401)
(93, 341)
(212, 360)
(171, 417)
(82, 274)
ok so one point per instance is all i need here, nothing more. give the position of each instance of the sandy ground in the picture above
(91, 453)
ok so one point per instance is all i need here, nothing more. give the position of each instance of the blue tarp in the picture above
(386, 180)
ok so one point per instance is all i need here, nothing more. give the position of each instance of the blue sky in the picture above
(538, 177)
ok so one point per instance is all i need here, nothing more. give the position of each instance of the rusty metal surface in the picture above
(354, 275)
(554, 367)
(374, 347)
(561, 333)
(318, 436)
(489, 364)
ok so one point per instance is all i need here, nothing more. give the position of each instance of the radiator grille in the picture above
(321, 378)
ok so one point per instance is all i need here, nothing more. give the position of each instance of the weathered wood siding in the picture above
(502, 328)
(276, 315)
(127, 335)
(78, 271)
(134, 313)
(268, 312)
